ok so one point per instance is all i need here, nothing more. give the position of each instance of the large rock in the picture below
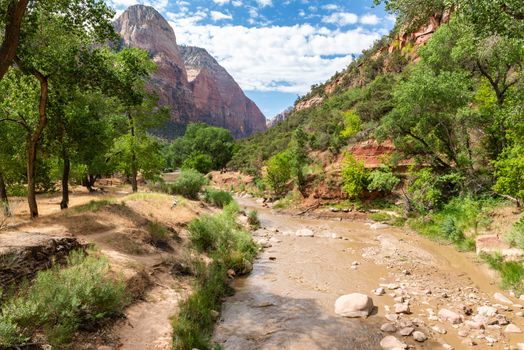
(188, 79)
(392, 343)
(354, 305)
(450, 316)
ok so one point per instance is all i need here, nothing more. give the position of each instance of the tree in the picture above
(12, 22)
(510, 173)
(299, 157)
(198, 161)
(354, 176)
(279, 172)
(382, 180)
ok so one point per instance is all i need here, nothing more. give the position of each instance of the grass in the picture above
(61, 302)
(229, 248)
(511, 272)
(141, 196)
(158, 232)
(93, 206)
(457, 222)
(217, 198)
(253, 220)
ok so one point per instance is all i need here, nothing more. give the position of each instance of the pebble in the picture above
(474, 325)
(391, 317)
(450, 316)
(406, 331)
(487, 311)
(379, 291)
(439, 330)
(392, 343)
(402, 309)
(511, 328)
(388, 327)
(502, 298)
(447, 346)
(419, 336)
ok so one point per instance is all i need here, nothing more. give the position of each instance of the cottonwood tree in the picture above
(11, 16)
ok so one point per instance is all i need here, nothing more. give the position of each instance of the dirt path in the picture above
(288, 300)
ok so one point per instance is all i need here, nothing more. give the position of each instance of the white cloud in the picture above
(217, 16)
(369, 19)
(221, 2)
(330, 7)
(264, 3)
(341, 18)
(236, 3)
(159, 5)
(277, 58)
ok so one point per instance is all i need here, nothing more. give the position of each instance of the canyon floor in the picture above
(287, 302)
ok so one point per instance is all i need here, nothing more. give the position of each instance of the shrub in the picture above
(510, 173)
(62, 301)
(511, 272)
(516, 236)
(252, 219)
(279, 173)
(159, 233)
(382, 180)
(352, 125)
(199, 162)
(354, 176)
(450, 230)
(188, 184)
(217, 198)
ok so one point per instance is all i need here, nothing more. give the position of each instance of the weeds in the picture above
(159, 233)
(93, 206)
(230, 248)
(62, 301)
(217, 198)
(188, 184)
(253, 220)
(511, 272)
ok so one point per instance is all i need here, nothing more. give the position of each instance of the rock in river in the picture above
(305, 232)
(354, 305)
(392, 343)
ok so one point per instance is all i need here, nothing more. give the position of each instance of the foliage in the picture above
(511, 272)
(217, 198)
(382, 180)
(198, 161)
(279, 173)
(252, 219)
(354, 176)
(62, 301)
(199, 140)
(516, 235)
(188, 184)
(510, 173)
(352, 125)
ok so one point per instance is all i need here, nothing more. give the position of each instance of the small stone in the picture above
(393, 286)
(502, 320)
(273, 258)
(489, 311)
(450, 316)
(419, 336)
(305, 232)
(439, 330)
(469, 342)
(402, 309)
(215, 314)
(474, 325)
(379, 291)
(231, 273)
(388, 327)
(355, 263)
(354, 305)
(517, 306)
(519, 314)
(406, 331)
(391, 317)
(447, 346)
(399, 299)
(392, 343)
(502, 298)
(406, 272)
(511, 328)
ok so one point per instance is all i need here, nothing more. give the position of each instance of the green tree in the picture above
(198, 161)
(279, 172)
(299, 157)
(354, 176)
(382, 180)
(510, 173)
(11, 16)
(352, 125)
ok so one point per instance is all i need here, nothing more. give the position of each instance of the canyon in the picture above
(188, 79)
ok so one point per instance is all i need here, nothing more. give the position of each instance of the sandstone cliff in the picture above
(201, 92)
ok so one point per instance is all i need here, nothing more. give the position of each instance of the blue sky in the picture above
(275, 49)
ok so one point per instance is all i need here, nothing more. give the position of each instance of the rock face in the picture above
(188, 79)
(218, 98)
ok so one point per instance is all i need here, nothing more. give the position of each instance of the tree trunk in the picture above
(65, 181)
(15, 14)
(34, 137)
(134, 171)
(3, 197)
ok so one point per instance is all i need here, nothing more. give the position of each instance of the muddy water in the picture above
(287, 301)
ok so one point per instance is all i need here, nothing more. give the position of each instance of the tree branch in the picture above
(15, 14)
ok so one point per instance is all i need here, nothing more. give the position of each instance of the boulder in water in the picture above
(354, 305)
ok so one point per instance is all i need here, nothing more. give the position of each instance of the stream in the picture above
(287, 302)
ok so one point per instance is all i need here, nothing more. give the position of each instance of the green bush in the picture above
(253, 220)
(61, 302)
(159, 233)
(511, 272)
(217, 198)
(188, 184)
(199, 162)
(354, 176)
(516, 236)
(382, 180)
(279, 173)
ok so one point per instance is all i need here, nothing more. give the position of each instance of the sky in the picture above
(275, 49)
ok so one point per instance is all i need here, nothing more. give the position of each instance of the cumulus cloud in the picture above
(217, 16)
(369, 19)
(278, 58)
(264, 3)
(341, 18)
